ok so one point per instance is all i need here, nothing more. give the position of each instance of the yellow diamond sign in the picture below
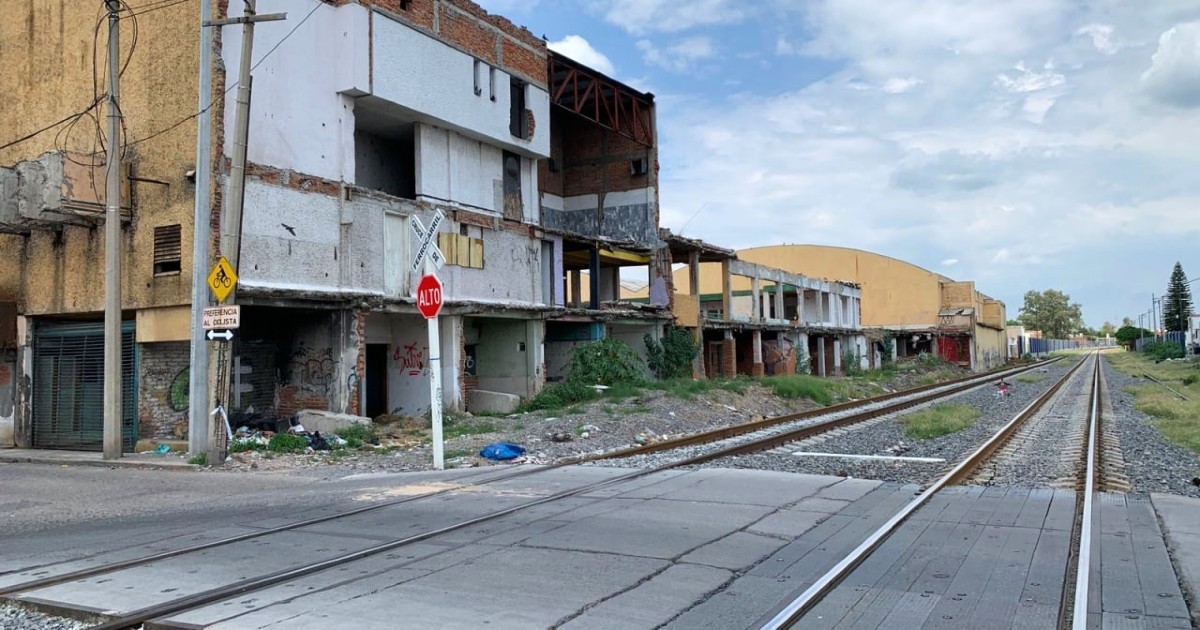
(222, 279)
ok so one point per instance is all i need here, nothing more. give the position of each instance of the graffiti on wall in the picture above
(777, 355)
(313, 370)
(177, 395)
(412, 359)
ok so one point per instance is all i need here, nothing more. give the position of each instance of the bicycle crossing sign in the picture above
(222, 279)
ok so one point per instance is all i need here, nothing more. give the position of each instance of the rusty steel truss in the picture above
(610, 104)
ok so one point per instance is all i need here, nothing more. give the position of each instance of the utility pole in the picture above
(198, 372)
(112, 246)
(231, 226)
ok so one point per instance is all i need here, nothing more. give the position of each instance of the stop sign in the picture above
(429, 296)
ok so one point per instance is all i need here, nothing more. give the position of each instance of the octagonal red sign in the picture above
(429, 296)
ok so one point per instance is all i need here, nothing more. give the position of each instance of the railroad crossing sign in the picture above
(221, 317)
(429, 296)
(427, 247)
(222, 279)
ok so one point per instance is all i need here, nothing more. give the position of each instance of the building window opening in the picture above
(517, 122)
(167, 250)
(512, 186)
(385, 156)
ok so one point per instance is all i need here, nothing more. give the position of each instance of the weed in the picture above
(456, 453)
(285, 443)
(356, 435)
(1191, 379)
(243, 445)
(609, 409)
(801, 386)
(557, 396)
(640, 409)
(673, 356)
(1031, 378)
(939, 420)
(457, 428)
(606, 362)
(621, 391)
(199, 460)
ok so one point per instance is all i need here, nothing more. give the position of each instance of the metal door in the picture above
(68, 386)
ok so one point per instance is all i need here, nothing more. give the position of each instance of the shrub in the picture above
(673, 356)
(287, 443)
(356, 435)
(1191, 379)
(559, 395)
(606, 362)
(199, 460)
(1162, 350)
(852, 363)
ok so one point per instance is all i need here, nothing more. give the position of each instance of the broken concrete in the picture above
(328, 422)
(483, 401)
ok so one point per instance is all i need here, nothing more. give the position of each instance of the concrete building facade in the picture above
(370, 117)
(905, 307)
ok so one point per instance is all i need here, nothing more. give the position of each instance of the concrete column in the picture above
(974, 366)
(757, 368)
(451, 338)
(755, 300)
(821, 356)
(535, 375)
(803, 360)
(694, 273)
(594, 276)
(780, 313)
(23, 384)
(729, 355)
(576, 288)
(821, 318)
(726, 291)
(838, 368)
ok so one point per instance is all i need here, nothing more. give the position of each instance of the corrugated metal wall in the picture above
(68, 386)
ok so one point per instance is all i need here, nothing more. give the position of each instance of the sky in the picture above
(1025, 144)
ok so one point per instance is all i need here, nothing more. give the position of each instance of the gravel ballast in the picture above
(1152, 463)
(16, 618)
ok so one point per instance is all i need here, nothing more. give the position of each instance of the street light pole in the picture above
(112, 247)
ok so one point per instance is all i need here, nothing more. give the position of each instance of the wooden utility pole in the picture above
(231, 226)
(112, 246)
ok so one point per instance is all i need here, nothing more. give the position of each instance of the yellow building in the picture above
(921, 310)
(52, 297)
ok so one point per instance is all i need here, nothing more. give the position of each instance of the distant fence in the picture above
(1177, 336)
(1040, 347)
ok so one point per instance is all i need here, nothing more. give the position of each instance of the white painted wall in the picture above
(437, 82)
(511, 271)
(462, 170)
(299, 119)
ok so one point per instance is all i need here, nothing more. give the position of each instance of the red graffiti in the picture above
(412, 358)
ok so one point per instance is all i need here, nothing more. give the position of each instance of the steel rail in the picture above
(792, 612)
(1079, 617)
(707, 436)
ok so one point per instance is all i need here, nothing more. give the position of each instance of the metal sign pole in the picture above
(435, 392)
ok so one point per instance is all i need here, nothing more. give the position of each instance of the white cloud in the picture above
(899, 85)
(579, 49)
(997, 158)
(679, 57)
(646, 16)
(1174, 74)
(1102, 37)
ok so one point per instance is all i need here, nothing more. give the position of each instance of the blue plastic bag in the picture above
(501, 451)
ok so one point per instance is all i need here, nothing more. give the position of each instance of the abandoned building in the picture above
(774, 322)
(905, 310)
(376, 120)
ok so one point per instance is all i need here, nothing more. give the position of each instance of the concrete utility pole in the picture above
(198, 374)
(231, 226)
(112, 246)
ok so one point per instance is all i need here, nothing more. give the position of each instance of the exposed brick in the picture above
(728, 358)
(468, 34)
(522, 61)
(163, 389)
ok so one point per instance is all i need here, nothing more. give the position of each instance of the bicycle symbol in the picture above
(222, 278)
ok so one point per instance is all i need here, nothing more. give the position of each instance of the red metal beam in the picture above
(603, 101)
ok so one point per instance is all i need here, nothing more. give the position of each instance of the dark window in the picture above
(512, 186)
(516, 114)
(167, 249)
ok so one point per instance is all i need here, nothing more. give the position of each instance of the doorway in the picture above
(376, 379)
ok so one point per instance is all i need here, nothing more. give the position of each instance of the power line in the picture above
(50, 126)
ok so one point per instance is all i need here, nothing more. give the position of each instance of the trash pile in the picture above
(295, 439)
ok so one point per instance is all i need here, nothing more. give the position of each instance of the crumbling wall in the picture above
(163, 390)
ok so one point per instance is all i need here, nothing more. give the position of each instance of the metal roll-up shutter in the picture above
(68, 386)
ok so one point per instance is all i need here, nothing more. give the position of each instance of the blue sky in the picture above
(1027, 144)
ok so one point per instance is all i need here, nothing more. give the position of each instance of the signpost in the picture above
(221, 317)
(429, 303)
(222, 279)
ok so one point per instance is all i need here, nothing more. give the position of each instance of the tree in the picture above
(1107, 329)
(1012, 322)
(1127, 335)
(1177, 303)
(1126, 321)
(1051, 312)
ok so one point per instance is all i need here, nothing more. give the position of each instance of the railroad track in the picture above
(810, 423)
(1098, 457)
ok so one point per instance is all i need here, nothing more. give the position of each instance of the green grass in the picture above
(457, 428)
(687, 388)
(802, 386)
(1031, 378)
(199, 460)
(285, 443)
(939, 420)
(621, 391)
(356, 435)
(558, 396)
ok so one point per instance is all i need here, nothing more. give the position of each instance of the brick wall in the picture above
(163, 390)
(728, 358)
(468, 27)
